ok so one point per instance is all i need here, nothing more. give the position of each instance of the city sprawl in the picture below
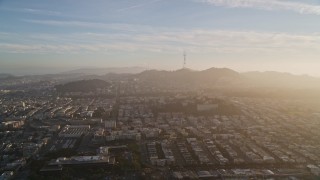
(133, 130)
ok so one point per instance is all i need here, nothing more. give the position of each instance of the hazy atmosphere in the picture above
(38, 36)
(159, 89)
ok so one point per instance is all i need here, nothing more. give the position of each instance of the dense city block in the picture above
(127, 129)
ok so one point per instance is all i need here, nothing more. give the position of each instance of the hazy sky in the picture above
(45, 36)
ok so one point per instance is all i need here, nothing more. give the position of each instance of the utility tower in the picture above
(184, 60)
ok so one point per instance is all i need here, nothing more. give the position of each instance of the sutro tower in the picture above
(184, 59)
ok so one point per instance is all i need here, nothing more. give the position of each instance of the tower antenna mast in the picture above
(184, 59)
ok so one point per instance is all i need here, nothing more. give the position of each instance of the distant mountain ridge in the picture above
(188, 77)
(279, 79)
(5, 75)
(209, 78)
(103, 71)
(228, 78)
(82, 86)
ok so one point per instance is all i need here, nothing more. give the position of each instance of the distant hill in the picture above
(223, 79)
(187, 77)
(278, 79)
(3, 75)
(103, 71)
(82, 86)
